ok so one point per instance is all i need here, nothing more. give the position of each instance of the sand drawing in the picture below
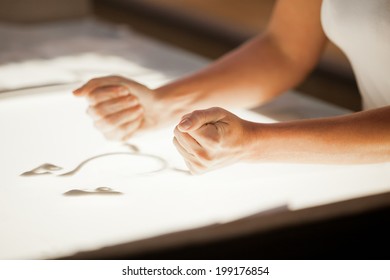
(97, 191)
(55, 170)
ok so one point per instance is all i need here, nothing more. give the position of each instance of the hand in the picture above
(212, 138)
(119, 106)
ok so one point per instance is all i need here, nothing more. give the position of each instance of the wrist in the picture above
(257, 139)
(176, 100)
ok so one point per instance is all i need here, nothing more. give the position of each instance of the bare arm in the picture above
(208, 139)
(259, 70)
(361, 137)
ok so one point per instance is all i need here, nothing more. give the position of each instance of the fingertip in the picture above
(77, 92)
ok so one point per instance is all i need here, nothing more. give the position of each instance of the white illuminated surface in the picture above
(50, 126)
(37, 221)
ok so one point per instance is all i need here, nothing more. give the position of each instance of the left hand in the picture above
(212, 138)
(121, 107)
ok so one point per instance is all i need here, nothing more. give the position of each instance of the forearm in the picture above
(259, 70)
(246, 77)
(356, 138)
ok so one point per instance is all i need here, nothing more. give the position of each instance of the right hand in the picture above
(119, 106)
(213, 138)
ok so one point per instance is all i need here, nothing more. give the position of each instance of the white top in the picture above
(361, 28)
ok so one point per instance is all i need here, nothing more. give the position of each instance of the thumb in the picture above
(198, 118)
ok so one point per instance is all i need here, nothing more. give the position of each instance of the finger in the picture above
(106, 93)
(195, 168)
(132, 128)
(119, 118)
(198, 118)
(124, 131)
(112, 106)
(193, 148)
(186, 141)
(182, 150)
(192, 163)
(96, 83)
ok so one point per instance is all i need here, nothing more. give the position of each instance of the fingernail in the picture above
(185, 124)
(76, 91)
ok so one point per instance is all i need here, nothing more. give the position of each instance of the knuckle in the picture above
(216, 109)
(198, 115)
(219, 112)
(131, 99)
